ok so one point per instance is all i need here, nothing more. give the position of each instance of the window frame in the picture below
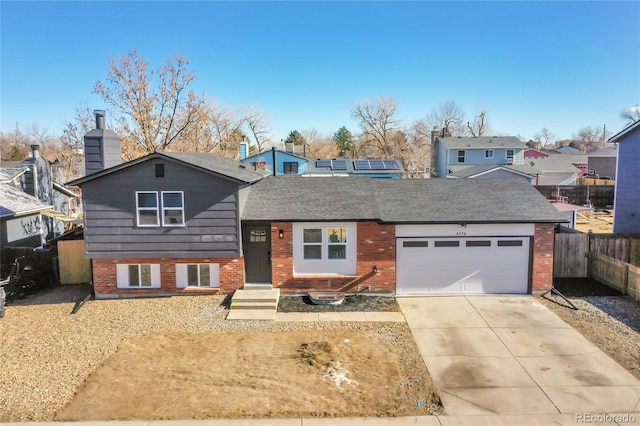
(181, 209)
(123, 271)
(325, 266)
(182, 276)
(291, 166)
(513, 154)
(463, 155)
(487, 151)
(139, 208)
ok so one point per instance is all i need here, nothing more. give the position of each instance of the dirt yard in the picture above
(231, 375)
(607, 318)
(179, 358)
(351, 303)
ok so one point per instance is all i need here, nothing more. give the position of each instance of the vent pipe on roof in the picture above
(99, 113)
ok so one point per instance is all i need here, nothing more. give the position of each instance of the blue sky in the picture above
(560, 65)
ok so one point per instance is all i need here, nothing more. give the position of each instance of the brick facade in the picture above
(105, 279)
(542, 268)
(376, 246)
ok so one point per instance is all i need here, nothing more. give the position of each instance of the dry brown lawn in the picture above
(312, 373)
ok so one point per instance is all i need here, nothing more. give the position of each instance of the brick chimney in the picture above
(102, 148)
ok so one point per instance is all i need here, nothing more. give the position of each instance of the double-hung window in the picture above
(324, 249)
(510, 154)
(461, 156)
(488, 153)
(151, 206)
(138, 276)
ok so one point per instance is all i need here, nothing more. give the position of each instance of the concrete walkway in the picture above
(510, 355)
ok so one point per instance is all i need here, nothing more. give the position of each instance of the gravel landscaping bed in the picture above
(351, 303)
(607, 318)
(49, 352)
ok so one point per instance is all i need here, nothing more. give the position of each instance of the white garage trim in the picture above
(462, 264)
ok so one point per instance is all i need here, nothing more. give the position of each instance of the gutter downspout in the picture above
(275, 165)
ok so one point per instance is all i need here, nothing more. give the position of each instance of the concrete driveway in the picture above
(512, 355)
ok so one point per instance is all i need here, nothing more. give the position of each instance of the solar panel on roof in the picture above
(361, 165)
(339, 165)
(376, 164)
(391, 164)
(323, 163)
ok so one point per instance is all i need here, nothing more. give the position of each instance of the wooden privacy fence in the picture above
(615, 273)
(73, 266)
(571, 259)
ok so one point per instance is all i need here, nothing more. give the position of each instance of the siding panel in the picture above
(211, 213)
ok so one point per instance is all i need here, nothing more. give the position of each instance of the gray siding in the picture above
(211, 214)
(503, 174)
(603, 166)
(627, 198)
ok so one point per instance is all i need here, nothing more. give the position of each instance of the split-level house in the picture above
(454, 154)
(184, 223)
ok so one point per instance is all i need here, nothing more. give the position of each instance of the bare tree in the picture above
(479, 126)
(378, 121)
(449, 117)
(545, 138)
(416, 157)
(257, 125)
(590, 138)
(153, 109)
(630, 115)
(37, 134)
(70, 156)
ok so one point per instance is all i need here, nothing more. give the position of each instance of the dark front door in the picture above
(257, 253)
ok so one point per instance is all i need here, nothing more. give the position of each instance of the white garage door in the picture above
(475, 265)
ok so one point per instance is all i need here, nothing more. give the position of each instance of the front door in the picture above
(257, 253)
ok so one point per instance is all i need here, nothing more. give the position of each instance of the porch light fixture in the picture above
(281, 234)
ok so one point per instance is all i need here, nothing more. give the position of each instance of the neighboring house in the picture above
(566, 150)
(578, 159)
(555, 170)
(602, 163)
(534, 154)
(286, 162)
(176, 223)
(626, 215)
(391, 169)
(570, 212)
(34, 176)
(21, 219)
(450, 154)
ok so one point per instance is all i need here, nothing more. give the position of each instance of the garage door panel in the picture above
(462, 265)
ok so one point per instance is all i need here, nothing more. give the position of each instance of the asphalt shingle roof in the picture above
(398, 200)
(299, 198)
(13, 202)
(482, 142)
(9, 173)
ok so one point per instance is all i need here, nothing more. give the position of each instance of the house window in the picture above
(312, 240)
(159, 170)
(337, 243)
(324, 248)
(290, 168)
(172, 208)
(461, 156)
(138, 276)
(198, 275)
(510, 153)
(147, 208)
(488, 153)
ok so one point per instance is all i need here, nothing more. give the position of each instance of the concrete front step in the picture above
(254, 304)
(251, 286)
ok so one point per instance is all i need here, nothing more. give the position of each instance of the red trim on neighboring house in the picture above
(534, 153)
(105, 279)
(375, 247)
(542, 268)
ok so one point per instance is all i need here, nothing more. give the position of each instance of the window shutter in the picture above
(214, 274)
(122, 275)
(181, 275)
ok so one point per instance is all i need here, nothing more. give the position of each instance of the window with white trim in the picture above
(172, 208)
(324, 248)
(198, 275)
(488, 153)
(461, 156)
(510, 154)
(151, 206)
(138, 276)
(147, 208)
